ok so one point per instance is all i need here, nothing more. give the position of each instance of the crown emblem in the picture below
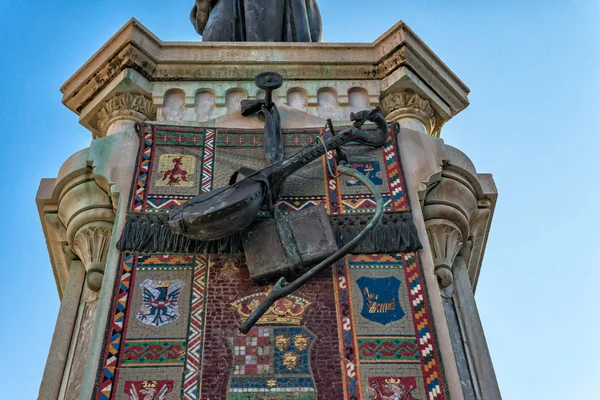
(287, 311)
(163, 284)
(394, 381)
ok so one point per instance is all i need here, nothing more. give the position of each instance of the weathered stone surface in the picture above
(82, 342)
(63, 333)
(473, 338)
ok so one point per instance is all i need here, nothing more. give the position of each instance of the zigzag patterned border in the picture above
(348, 347)
(355, 205)
(192, 375)
(145, 162)
(109, 371)
(207, 160)
(396, 181)
(334, 196)
(157, 203)
(423, 325)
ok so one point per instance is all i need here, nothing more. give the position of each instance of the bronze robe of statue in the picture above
(257, 20)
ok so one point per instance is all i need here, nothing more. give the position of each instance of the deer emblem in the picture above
(175, 174)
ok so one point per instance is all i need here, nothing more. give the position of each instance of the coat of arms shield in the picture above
(380, 299)
(273, 359)
(160, 302)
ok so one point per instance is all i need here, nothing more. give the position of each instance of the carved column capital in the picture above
(408, 104)
(126, 107)
(446, 240)
(91, 244)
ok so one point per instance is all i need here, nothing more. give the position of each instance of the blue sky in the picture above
(533, 69)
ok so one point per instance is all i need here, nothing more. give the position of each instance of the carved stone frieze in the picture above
(91, 245)
(409, 105)
(446, 240)
(126, 106)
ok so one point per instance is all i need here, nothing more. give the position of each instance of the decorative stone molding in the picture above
(408, 104)
(446, 240)
(91, 245)
(134, 60)
(125, 106)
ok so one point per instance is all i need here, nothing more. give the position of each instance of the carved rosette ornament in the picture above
(408, 104)
(91, 245)
(124, 107)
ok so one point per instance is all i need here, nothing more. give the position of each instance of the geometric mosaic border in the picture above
(118, 320)
(192, 375)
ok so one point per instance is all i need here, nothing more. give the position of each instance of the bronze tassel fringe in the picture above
(150, 233)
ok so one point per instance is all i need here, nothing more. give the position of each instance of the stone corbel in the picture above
(84, 198)
(91, 244)
(457, 211)
(446, 241)
(88, 215)
(86, 212)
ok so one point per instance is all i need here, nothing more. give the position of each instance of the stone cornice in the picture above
(397, 53)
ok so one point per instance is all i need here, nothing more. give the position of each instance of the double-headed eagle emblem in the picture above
(159, 302)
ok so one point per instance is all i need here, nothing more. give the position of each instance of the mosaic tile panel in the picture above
(359, 331)
(379, 341)
(295, 353)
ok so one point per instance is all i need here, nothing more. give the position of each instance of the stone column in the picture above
(63, 333)
(122, 111)
(481, 369)
(410, 110)
(450, 204)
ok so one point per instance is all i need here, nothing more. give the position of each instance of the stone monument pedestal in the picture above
(137, 77)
